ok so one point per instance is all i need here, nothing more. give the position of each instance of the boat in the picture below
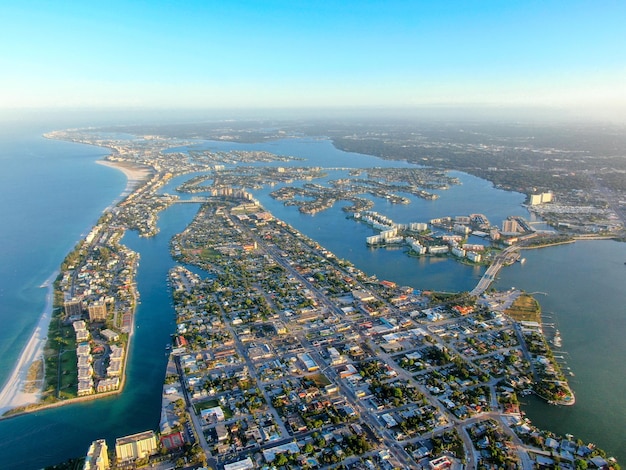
(557, 341)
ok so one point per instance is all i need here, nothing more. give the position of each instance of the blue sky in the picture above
(264, 54)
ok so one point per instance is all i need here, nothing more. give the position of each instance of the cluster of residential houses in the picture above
(99, 289)
(86, 383)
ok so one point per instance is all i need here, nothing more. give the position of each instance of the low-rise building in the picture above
(83, 349)
(309, 364)
(82, 334)
(85, 372)
(438, 249)
(290, 447)
(85, 387)
(213, 414)
(114, 369)
(108, 385)
(110, 335)
(459, 252)
(245, 464)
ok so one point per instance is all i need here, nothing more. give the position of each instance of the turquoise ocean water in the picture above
(52, 192)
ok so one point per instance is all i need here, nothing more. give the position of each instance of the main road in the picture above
(508, 255)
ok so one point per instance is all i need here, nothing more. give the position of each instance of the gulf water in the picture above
(52, 192)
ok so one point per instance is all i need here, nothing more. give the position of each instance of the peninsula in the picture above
(285, 354)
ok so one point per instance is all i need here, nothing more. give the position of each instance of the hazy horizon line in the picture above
(453, 112)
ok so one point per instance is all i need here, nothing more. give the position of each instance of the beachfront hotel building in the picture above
(135, 446)
(97, 456)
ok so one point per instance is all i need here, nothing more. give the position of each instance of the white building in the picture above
(418, 226)
(473, 247)
(438, 249)
(309, 364)
(459, 252)
(136, 446)
(85, 387)
(245, 464)
(335, 357)
(97, 456)
(216, 412)
(389, 420)
(416, 246)
(462, 229)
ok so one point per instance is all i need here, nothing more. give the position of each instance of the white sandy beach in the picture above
(13, 394)
(134, 175)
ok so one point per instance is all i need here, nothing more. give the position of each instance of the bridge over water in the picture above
(508, 256)
(195, 200)
(221, 197)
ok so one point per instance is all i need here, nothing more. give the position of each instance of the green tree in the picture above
(281, 459)
(581, 464)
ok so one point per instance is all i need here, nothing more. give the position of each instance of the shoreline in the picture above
(135, 175)
(12, 394)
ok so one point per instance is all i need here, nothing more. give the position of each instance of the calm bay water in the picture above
(586, 300)
(52, 192)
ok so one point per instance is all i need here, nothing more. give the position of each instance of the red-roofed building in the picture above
(181, 342)
(463, 310)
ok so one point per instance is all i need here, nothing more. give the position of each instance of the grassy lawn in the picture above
(204, 405)
(525, 308)
(209, 254)
(61, 360)
(320, 380)
(69, 374)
